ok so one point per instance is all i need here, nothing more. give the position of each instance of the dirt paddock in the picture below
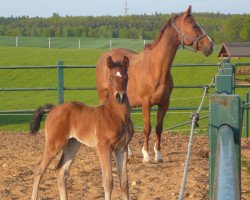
(19, 153)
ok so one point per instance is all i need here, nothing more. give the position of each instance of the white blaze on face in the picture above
(118, 74)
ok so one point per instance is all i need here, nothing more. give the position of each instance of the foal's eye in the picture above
(111, 80)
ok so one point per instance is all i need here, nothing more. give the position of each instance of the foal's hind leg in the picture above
(50, 152)
(68, 155)
(162, 109)
(121, 163)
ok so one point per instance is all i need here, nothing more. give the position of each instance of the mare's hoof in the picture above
(158, 156)
(145, 154)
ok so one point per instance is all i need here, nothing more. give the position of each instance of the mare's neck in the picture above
(165, 49)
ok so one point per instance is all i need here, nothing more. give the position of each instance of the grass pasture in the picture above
(33, 56)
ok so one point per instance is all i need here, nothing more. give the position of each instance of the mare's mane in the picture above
(159, 37)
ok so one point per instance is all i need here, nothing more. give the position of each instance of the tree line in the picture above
(220, 27)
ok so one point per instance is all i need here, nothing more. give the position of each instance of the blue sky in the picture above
(45, 8)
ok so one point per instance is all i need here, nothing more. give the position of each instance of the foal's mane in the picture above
(159, 37)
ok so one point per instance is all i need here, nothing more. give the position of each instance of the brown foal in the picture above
(150, 80)
(107, 127)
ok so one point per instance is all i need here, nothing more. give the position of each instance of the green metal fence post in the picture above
(224, 109)
(60, 82)
(246, 116)
(224, 81)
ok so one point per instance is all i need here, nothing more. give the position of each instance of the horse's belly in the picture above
(88, 139)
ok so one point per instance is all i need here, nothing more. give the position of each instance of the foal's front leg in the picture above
(131, 134)
(121, 163)
(105, 155)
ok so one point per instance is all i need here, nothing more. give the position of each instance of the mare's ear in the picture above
(110, 63)
(188, 11)
(126, 61)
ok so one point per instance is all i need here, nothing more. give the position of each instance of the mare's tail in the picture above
(37, 117)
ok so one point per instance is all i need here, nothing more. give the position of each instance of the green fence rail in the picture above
(61, 88)
(226, 178)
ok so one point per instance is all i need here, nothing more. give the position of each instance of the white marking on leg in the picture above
(129, 151)
(145, 155)
(158, 156)
(118, 74)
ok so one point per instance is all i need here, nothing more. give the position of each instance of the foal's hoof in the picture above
(158, 160)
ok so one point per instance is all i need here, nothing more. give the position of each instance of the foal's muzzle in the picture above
(120, 97)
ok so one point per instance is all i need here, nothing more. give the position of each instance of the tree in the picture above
(245, 31)
(232, 28)
(123, 33)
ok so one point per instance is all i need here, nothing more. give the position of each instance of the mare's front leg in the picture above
(121, 163)
(162, 109)
(146, 109)
(105, 155)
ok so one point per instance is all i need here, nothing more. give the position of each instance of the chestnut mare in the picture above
(150, 81)
(107, 127)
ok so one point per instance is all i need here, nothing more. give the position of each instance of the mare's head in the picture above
(191, 34)
(118, 78)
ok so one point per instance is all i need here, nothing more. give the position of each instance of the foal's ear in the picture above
(188, 11)
(110, 63)
(126, 61)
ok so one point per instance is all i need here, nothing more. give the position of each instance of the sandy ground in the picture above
(19, 153)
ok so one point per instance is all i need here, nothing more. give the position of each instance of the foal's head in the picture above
(191, 34)
(118, 78)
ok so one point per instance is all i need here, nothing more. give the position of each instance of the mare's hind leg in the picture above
(121, 163)
(68, 155)
(50, 152)
(105, 155)
(146, 108)
(162, 109)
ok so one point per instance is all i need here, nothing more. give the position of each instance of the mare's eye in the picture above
(111, 80)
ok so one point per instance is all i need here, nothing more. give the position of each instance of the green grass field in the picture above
(33, 56)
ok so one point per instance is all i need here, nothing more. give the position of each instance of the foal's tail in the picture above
(37, 117)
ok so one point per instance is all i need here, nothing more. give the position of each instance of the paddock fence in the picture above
(60, 67)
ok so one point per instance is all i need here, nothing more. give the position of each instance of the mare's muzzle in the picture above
(120, 97)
